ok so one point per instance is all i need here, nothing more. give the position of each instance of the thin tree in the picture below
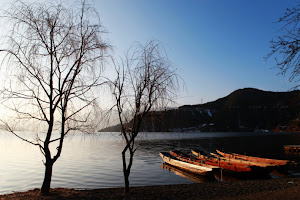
(146, 80)
(286, 46)
(56, 55)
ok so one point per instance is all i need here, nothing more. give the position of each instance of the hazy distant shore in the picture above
(283, 188)
(244, 110)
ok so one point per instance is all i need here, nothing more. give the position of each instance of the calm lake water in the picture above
(95, 161)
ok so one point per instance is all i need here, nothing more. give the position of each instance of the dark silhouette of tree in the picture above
(145, 81)
(56, 54)
(286, 46)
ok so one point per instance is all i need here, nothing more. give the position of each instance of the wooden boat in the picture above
(246, 162)
(191, 159)
(255, 159)
(171, 160)
(226, 165)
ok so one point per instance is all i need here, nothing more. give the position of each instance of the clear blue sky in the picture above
(217, 46)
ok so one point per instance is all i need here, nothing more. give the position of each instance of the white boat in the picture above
(171, 160)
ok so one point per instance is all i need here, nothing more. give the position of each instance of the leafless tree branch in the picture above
(58, 54)
(286, 46)
(145, 80)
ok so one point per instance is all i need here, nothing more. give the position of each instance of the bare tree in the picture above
(56, 54)
(286, 46)
(145, 81)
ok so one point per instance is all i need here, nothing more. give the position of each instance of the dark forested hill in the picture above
(246, 109)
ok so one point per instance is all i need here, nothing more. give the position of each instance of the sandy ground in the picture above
(283, 188)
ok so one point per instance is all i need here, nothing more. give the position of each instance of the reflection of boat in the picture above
(191, 159)
(277, 173)
(168, 158)
(226, 165)
(264, 161)
(224, 177)
(292, 149)
(183, 173)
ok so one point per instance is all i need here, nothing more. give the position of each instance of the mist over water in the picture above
(94, 161)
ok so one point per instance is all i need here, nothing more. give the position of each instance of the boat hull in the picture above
(168, 158)
(228, 166)
(246, 162)
(266, 161)
(192, 160)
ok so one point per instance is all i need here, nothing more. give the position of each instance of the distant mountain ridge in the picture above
(247, 109)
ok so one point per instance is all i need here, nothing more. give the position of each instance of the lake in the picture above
(94, 161)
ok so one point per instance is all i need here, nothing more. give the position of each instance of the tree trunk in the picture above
(127, 168)
(126, 179)
(126, 172)
(47, 178)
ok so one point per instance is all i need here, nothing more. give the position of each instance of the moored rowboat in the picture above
(191, 159)
(168, 158)
(226, 165)
(246, 162)
(254, 159)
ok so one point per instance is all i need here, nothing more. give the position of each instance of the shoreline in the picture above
(281, 188)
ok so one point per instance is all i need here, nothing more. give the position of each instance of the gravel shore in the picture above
(283, 188)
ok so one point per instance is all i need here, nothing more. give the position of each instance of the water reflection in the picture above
(94, 161)
(186, 174)
(223, 177)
